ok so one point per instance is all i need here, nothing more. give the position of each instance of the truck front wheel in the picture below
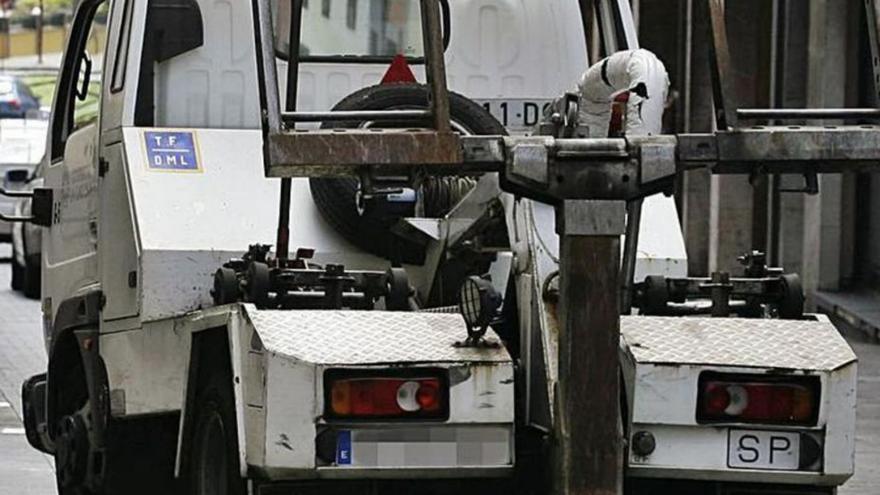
(214, 463)
(71, 455)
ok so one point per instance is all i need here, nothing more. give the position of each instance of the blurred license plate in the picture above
(755, 449)
(517, 114)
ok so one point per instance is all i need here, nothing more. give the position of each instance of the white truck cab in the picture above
(173, 367)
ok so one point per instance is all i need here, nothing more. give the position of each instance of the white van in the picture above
(22, 145)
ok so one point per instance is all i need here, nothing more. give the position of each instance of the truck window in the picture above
(173, 27)
(194, 69)
(85, 108)
(119, 65)
(78, 85)
(354, 30)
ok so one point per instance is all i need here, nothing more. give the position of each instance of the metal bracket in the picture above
(591, 218)
(16, 194)
(811, 185)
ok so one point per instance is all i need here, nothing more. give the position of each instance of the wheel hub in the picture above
(71, 450)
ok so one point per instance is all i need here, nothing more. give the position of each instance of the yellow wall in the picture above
(24, 42)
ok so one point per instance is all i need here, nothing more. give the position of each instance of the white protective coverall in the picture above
(638, 71)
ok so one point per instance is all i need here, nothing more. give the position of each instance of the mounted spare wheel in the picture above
(366, 221)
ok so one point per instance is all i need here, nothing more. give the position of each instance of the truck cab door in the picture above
(118, 249)
(69, 245)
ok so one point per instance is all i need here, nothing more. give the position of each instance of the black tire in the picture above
(139, 459)
(71, 456)
(791, 305)
(214, 462)
(31, 278)
(337, 198)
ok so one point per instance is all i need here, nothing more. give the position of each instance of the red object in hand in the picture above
(617, 126)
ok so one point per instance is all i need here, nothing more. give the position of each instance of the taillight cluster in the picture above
(349, 396)
(758, 399)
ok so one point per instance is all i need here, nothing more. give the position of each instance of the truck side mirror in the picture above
(42, 205)
(176, 26)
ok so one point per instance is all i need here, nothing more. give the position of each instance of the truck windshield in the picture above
(351, 30)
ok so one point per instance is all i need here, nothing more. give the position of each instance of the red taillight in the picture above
(758, 401)
(385, 397)
(717, 399)
(428, 396)
(14, 103)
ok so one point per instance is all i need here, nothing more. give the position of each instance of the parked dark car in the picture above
(16, 99)
(27, 245)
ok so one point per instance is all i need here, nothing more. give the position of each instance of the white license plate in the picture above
(755, 449)
(517, 114)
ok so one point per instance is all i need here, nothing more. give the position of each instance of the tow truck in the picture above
(455, 316)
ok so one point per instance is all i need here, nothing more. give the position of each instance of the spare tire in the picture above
(369, 228)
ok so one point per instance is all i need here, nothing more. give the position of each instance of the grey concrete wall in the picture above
(826, 87)
(871, 265)
(732, 224)
(696, 185)
(793, 94)
(722, 216)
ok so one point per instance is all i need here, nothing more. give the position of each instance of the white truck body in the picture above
(149, 239)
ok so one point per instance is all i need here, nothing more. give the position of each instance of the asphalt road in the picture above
(24, 471)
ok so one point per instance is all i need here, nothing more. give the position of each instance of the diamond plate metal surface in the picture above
(368, 337)
(806, 345)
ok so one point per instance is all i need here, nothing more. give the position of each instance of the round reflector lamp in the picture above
(479, 303)
(407, 396)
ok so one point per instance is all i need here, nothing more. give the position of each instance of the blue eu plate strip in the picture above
(343, 448)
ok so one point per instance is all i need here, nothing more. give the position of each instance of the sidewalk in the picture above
(23, 470)
(859, 308)
(29, 64)
(22, 352)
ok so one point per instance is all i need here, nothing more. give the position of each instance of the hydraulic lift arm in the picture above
(590, 182)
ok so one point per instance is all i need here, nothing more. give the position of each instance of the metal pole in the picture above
(4, 33)
(435, 69)
(588, 432)
(587, 19)
(688, 63)
(628, 36)
(607, 26)
(282, 243)
(779, 47)
(40, 34)
(807, 113)
(630, 253)
(719, 64)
